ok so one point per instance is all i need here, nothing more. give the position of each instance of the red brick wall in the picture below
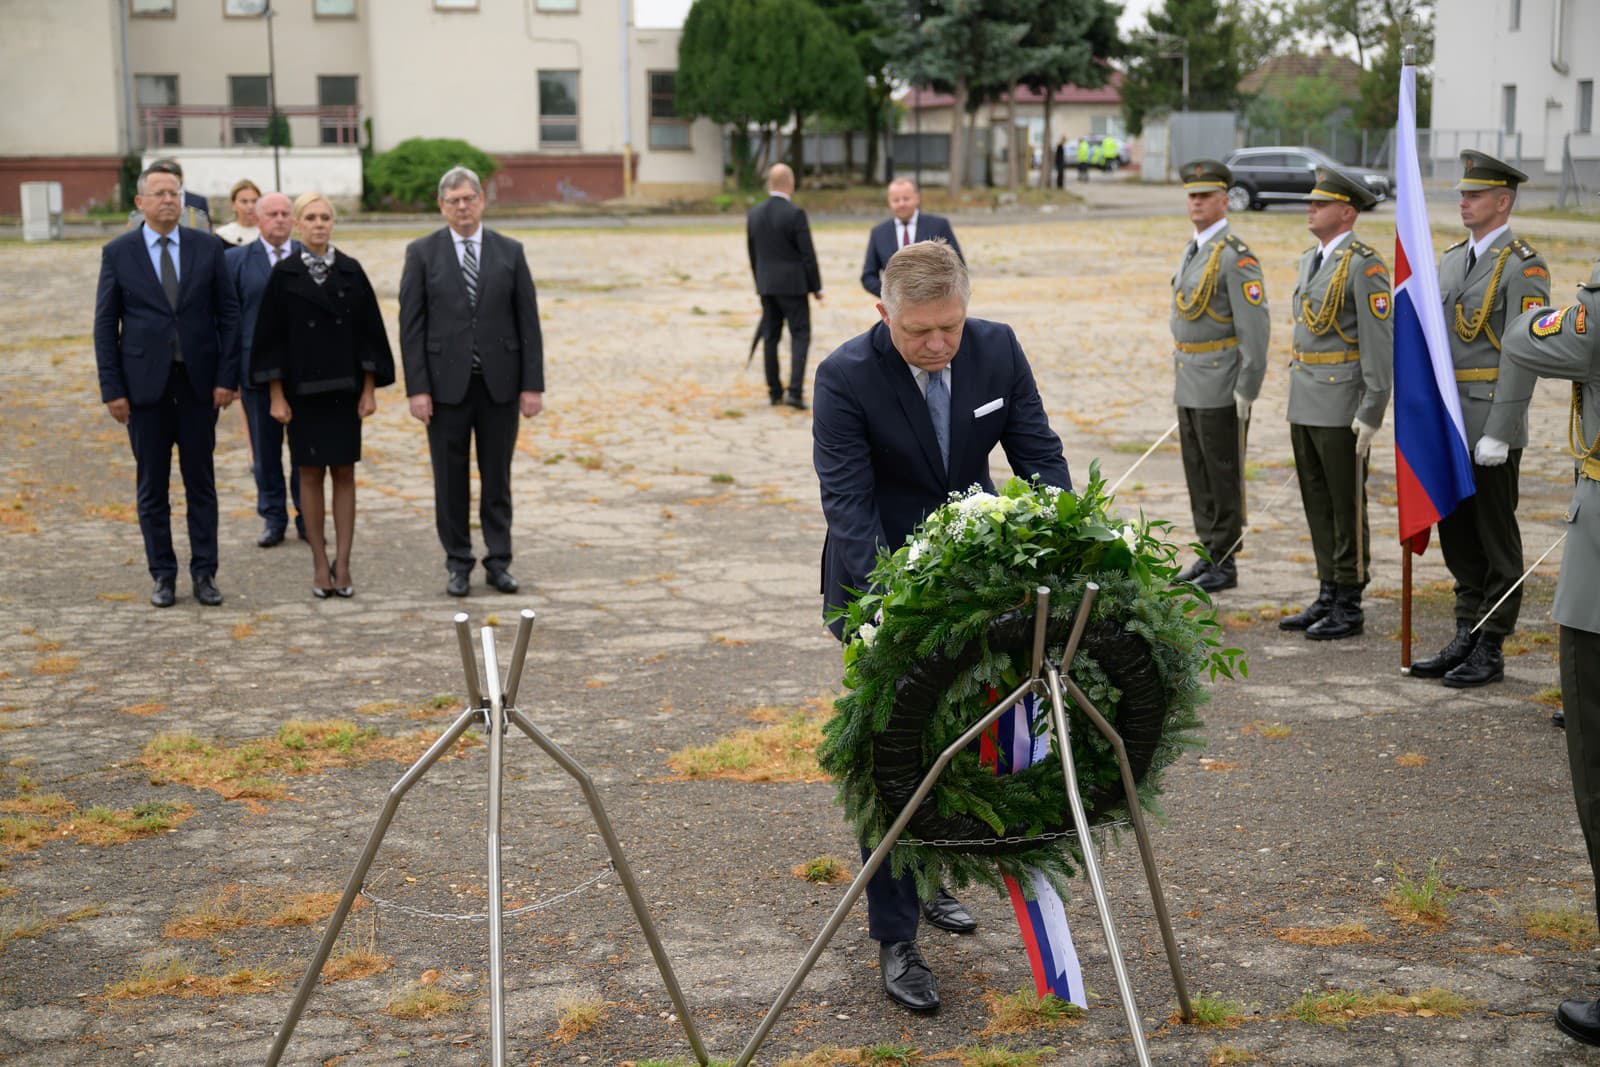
(84, 180)
(543, 179)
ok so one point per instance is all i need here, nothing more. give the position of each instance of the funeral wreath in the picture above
(946, 629)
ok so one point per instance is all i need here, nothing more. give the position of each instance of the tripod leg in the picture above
(358, 877)
(497, 733)
(1146, 854)
(636, 899)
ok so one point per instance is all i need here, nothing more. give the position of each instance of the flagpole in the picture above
(1405, 605)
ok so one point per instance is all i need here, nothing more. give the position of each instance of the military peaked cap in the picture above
(1332, 185)
(1204, 175)
(1486, 172)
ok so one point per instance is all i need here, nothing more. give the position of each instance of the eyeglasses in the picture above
(163, 194)
(461, 201)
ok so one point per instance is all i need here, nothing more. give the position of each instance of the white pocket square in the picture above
(994, 405)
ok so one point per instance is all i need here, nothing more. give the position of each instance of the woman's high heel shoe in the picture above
(321, 593)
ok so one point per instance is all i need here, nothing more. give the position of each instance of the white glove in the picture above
(1490, 453)
(1364, 435)
(1241, 405)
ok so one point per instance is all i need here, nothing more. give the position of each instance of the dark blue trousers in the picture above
(266, 442)
(182, 420)
(893, 908)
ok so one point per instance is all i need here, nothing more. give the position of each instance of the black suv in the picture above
(1263, 176)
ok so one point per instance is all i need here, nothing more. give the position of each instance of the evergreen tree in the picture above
(1210, 32)
(1067, 42)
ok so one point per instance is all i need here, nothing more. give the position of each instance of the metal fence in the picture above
(1438, 150)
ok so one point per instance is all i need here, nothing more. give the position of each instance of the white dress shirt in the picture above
(476, 238)
(906, 232)
(1480, 248)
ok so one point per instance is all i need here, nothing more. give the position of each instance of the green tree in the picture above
(1208, 30)
(1380, 84)
(1308, 102)
(862, 24)
(1068, 42)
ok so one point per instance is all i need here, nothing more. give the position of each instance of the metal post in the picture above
(497, 729)
(519, 655)
(469, 663)
(272, 97)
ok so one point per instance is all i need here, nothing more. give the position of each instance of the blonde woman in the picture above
(321, 348)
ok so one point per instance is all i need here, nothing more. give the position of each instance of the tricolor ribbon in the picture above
(1010, 746)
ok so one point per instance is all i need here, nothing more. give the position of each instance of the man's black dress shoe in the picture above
(503, 581)
(1580, 1020)
(206, 591)
(459, 584)
(1558, 719)
(165, 594)
(795, 402)
(906, 978)
(271, 535)
(947, 913)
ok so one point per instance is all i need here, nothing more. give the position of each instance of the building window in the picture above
(455, 5)
(558, 107)
(243, 9)
(1508, 109)
(1585, 114)
(337, 91)
(159, 9)
(563, 7)
(1516, 15)
(334, 9)
(247, 96)
(158, 90)
(667, 128)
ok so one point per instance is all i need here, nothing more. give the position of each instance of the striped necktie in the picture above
(469, 270)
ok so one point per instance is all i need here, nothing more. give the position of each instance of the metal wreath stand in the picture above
(1046, 680)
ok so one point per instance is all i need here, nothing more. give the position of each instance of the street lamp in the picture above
(262, 9)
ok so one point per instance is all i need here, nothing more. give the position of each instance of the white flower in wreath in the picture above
(916, 551)
(1130, 537)
(868, 633)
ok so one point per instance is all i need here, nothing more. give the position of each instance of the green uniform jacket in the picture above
(1491, 407)
(1352, 318)
(1219, 297)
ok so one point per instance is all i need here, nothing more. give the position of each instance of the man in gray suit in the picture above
(474, 358)
(1565, 343)
(1340, 377)
(1486, 281)
(1220, 329)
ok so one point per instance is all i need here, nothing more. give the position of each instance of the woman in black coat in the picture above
(321, 346)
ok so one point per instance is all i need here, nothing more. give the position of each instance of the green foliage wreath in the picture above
(978, 559)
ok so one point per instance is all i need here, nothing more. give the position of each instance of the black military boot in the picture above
(1219, 576)
(1193, 570)
(1484, 665)
(1450, 656)
(1344, 619)
(1315, 612)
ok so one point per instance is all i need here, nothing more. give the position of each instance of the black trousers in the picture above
(1482, 546)
(1209, 438)
(451, 433)
(177, 419)
(777, 309)
(1580, 701)
(266, 443)
(1329, 471)
(894, 910)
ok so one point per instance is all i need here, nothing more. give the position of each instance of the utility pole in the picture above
(272, 97)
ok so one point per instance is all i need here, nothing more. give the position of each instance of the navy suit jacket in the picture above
(135, 326)
(876, 455)
(248, 270)
(884, 241)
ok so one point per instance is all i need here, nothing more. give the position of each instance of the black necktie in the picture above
(1316, 263)
(169, 272)
(1472, 259)
(1194, 246)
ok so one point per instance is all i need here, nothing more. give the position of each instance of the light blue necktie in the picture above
(939, 411)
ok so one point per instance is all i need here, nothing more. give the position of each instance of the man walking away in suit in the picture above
(249, 267)
(166, 345)
(907, 226)
(785, 268)
(906, 413)
(474, 358)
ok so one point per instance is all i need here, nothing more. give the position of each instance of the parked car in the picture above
(1279, 174)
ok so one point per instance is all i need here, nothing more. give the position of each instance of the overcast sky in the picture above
(657, 13)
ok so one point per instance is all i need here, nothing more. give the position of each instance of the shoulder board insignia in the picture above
(1361, 248)
(1238, 245)
(1535, 271)
(1376, 268)
(1457, 245)
(1523, 249)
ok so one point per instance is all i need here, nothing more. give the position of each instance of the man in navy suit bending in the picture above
(249, 267)
(908, 226)
(903, 415)
(166, 343)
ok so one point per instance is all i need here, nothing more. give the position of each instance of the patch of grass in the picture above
(49, 805)
(1213, 1011)
(1426, 900)
(1550, 696)
(1411, 759)
(355, 963)
(1024, 1010)
(178, 978)
(722, 479)
(100, 825)
(1225, 1055)
(22, 832)
(576, 1016)
(782, 752)
(1326, 936)
(1272, 731)
(14, 928)
(887, 1054)
(235, 907)
(1001, 1056)
(823, 870)
(1337, 1007)
(425, 1002)
(1524, 641)
(146, 709)
(1575, 927)
(55, 665)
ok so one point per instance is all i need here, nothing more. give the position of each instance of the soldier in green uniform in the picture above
(1339, 384)
(1565, 343)
(1486, 281)
(1220, 329)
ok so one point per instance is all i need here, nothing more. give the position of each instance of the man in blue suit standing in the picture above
(249, 266)
(903, 415)
(166, 344)
(908, 226)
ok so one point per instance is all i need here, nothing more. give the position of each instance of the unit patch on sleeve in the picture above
(1377, 268)
(1531, 302)
(1252, 291)
(1248, 261)
(1535, 272)
(1379, 302)
(1548, 324)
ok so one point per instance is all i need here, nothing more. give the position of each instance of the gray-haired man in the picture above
(470, 342)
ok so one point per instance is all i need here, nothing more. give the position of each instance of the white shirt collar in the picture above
(1202, 236)
(476, 236)
(910, 223)
(287, 246)
(921, 376)
(1480, 247)
(1333, 243)
(774, 192)
(151, 236)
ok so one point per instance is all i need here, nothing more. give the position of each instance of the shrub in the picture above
(407, 176)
